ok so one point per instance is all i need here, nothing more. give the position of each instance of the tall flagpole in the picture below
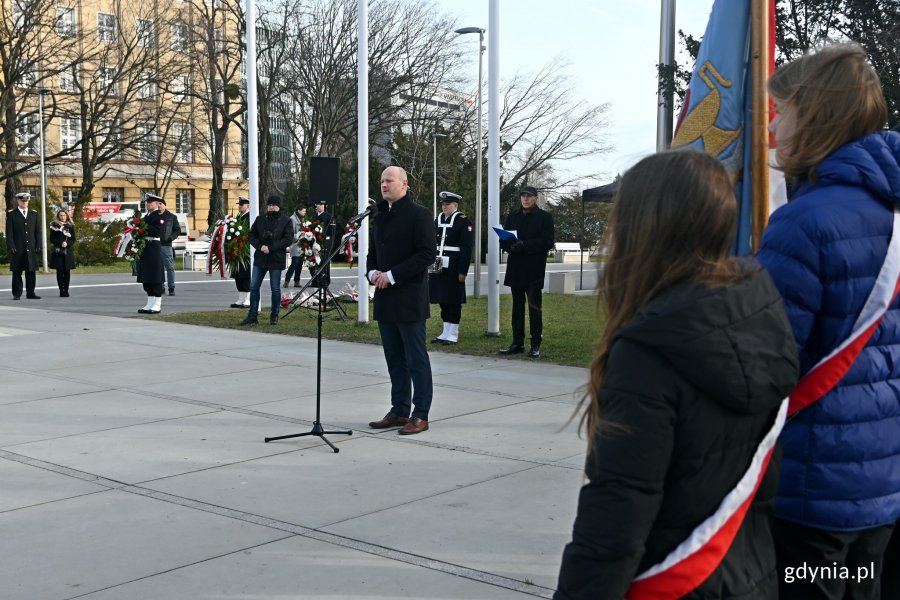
(362, 142)
(493, 254)
(759, 119)
(252, 135)
(665, 106)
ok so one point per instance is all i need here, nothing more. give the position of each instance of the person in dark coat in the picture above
(447, 285)
(241, 275)
(150, 272)
(400, 253)
(24, 242)
(525, 269)
(686, 390)
(327, 221)
(271, 234)
(62, 238)
(171, 231)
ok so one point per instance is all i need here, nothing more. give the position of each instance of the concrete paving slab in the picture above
(25, 485)
(515, 379)
(72, 547)
(524, 520)
(22, 386)
(302, 568)
(369, 475)
(71, 415)
(166, 448)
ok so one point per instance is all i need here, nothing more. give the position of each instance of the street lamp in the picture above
(41, 92)
(434, 138)
(477, 289)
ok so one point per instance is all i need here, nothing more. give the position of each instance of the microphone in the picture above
(370, 210)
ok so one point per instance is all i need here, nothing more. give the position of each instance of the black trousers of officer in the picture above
(18, 265)
(451, 313)
(154, 289)
(242, 285)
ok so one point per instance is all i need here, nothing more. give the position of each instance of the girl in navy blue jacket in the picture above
(839, 494)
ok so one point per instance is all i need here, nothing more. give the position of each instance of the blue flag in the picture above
(716, 113)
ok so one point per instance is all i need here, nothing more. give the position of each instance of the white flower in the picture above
(316, 247)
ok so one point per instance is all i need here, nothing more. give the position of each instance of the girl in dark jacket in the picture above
(685, 393)
(62, 238)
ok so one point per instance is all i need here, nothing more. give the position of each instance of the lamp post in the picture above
(434, 138)
(41, 92)
(477, 290)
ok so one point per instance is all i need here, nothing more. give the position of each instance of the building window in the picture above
(27, 135)
(108, 139)
(23, 15)
(113, 194)
(146, 33)
(107, 28)
(65, 21)
(69, 195)
(184, 201)
(68, 75)
(147, 141)
(106, 79)
(29, 78)
(181, 138)
(180, 88)
(69, 133)
(179, 37)
(147, 86)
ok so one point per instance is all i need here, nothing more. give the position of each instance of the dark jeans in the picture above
(799, 549)
(890, 578)
(408, 366)
(30, 281)
(259, 274)
(295, 269)
(451, 313)
(63, 276)
(535, 315)
(168, 259)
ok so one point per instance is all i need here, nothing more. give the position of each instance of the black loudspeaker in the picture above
(324, 180)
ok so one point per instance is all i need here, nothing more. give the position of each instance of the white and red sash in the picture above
(694, 560)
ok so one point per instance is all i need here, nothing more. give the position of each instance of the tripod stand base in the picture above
(317, 431)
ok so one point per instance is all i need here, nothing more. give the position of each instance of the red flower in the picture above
(137, 220)
(141, 231)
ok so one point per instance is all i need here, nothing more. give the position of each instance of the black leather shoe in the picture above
(33, 297)
(152, 312)
(437, 340)
(143, 311)
(535, 351)
(17, 297)
(273, 320)
(250, 321)
(236, 305)
(172, 292)
(514, 348)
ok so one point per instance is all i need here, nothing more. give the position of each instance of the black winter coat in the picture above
(172, 229)
(66, 259)
(403, 243)
(535, 229)
(692, 385)
(23, 240)
(150, 266)
(275, 232)
(445, 287)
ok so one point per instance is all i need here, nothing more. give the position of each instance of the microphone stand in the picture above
(317, 429)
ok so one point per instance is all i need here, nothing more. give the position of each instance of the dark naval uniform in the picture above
(23, 243)
(326, 220)
(454, 243)
(150, 267)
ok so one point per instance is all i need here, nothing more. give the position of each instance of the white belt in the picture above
(452, 248)
(150, 239)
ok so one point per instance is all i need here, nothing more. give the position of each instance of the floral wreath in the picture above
(309, 241)
(350, 239)
(229, 246)
(132, 240)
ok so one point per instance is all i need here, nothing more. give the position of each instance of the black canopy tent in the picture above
(604, 193)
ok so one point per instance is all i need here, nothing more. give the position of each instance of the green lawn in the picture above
(119, 266)
(570, 327)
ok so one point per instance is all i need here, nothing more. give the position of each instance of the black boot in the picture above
(514, 348)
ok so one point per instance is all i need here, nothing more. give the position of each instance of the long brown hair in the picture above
(835, 96)
(674, 220)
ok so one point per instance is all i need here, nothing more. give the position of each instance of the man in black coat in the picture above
(271, 234)
(241, 274)
(401, 251)
(24, 243)
(171, 231)
(150, 272)
(525, 269)
(447, 284)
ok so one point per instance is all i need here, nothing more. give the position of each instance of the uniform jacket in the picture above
(402, 243)
(275, 232)
(445, 287)
(57, 237)
(172, 229)
(242, 272)
(23, 240)
(692, 385)
(535, 229)
(150, 266)
(824, 249)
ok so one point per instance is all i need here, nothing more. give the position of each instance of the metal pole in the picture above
(362, 152)
(493, 323)
(252, 111)
(434, 174)
(477, 289)
(664, 117)
(41, 93)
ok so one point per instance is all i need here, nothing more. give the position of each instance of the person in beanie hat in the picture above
(271, 234)
(447, 281)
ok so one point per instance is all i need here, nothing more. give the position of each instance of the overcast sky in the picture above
(612, 47)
